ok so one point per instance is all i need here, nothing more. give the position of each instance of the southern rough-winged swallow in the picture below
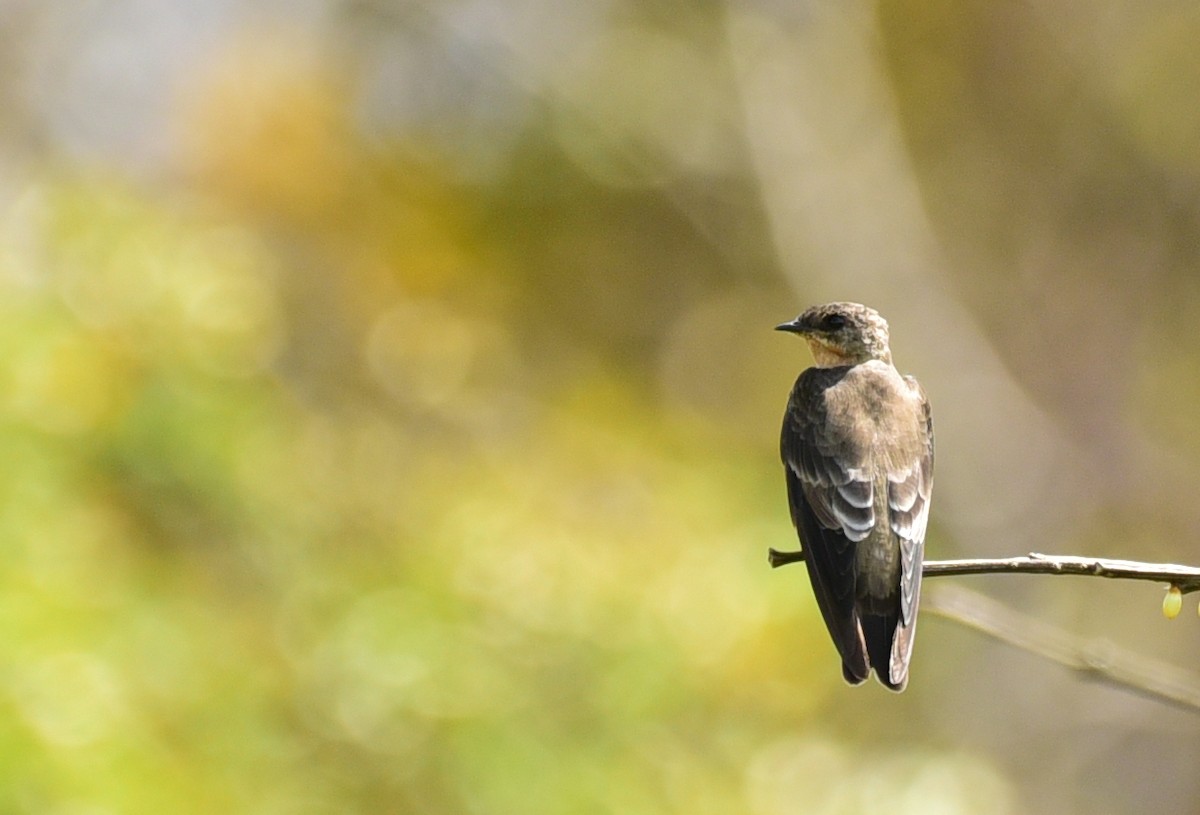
(857, 447)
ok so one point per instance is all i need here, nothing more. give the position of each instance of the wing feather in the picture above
(832, 510)
(909, 492)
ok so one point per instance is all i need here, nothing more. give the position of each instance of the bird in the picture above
(857, 451)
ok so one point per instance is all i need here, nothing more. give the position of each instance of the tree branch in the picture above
(1185, 578)
(1093, 659)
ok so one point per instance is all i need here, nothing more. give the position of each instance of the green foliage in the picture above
(221, 594)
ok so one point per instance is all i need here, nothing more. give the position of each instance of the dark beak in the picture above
(793, 326)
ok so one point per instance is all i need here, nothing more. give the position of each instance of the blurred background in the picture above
(390, 402)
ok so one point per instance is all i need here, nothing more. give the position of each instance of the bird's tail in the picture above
(878, 631)
(856, 666)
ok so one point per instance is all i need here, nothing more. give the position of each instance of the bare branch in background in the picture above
(1093, 659)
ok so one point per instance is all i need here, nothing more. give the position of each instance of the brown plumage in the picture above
(857, 449)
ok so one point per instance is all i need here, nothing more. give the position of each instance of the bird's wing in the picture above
(832, 502)
(910, 484)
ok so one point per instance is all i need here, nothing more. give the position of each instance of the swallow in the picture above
(857, 450)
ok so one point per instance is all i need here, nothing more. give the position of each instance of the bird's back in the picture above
(857, 446)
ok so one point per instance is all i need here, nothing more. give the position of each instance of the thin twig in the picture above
(1094, 659)
(1185, 578)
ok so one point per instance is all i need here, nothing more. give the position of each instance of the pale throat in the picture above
(827, 355)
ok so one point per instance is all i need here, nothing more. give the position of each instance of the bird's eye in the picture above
(835, 321)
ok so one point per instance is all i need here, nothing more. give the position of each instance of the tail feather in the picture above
(856, 667)
(878, 631)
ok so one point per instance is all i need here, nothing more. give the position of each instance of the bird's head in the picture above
(842, 334)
